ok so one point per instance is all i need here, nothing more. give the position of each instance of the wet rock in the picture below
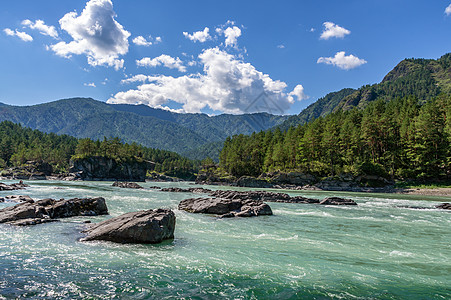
(226, 207)
(145, 227)
(127, 185)
(31, 222)
(444, 206)
(337, 201)
(13, 187)
(16, 198)
(188, 190)
(52, 209)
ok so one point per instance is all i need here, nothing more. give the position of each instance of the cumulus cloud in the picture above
(41, 27)
(226, 84)
(232, 34)
(21, 35)
(141, 41)
(199, 36)
(96, 34)
(448, 10)
(281, 46)
(162, 60)
(158, 39)
(342, 61)
(297, 92)
(137, 78)
(332, 30)
(92, 84)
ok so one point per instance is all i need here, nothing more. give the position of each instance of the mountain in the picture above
(422, 78)
(156, 128)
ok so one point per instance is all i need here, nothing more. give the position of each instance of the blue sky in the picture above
(210, 56)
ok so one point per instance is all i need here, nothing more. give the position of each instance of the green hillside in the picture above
(421, 78)
(155, 128)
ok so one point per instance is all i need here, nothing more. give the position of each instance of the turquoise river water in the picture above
(376, 250)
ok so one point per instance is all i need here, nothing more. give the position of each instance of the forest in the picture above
(20, 144)
(404, 138)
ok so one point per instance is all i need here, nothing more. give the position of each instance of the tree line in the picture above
(19, 144)
(402, 138)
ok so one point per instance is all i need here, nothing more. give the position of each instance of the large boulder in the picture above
(145, 227)
(226, 207)
(52, 209)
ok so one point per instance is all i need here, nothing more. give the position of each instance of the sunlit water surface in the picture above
(377, 249)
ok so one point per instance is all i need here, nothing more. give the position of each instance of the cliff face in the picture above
(103, 168)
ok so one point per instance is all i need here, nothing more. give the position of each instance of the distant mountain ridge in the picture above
(422, 78)
(156, 128)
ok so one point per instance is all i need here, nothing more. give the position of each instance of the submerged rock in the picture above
(226, 207)
(145, 227)
(127, 185)
(29, 213)
(444, 206)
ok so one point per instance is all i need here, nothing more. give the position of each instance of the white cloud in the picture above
(141, 41)
(158, 39)
(448, 10)
(41, 27)
(22, 35)
(297, 92)
(342, 61)
(162, 60)
(232, 34)
(96, 34)
(281, 46)
(227, 84)
(332, 30)
(92, 84)
(199, 36)
(137, 78)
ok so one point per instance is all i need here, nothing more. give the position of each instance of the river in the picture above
(378, 249)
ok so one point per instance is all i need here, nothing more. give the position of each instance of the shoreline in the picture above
(441, 192)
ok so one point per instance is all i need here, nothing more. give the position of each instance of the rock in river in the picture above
(32, 213)
(145, 227)
(444, 206)
(226, 207)
(127, 185)
(16, 198)
(12, 187)
(337, 201)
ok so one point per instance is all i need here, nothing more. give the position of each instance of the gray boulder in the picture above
(226, 207)
(52, 209)
(144, 227)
